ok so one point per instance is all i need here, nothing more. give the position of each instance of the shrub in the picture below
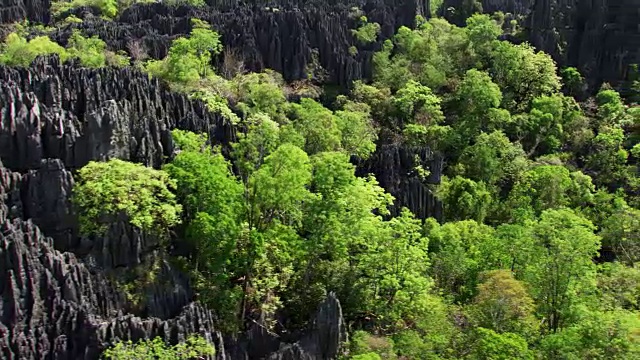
(156, 349)
(105, 190)
(17, 51)
(92, 52)
(108, 8)
(189, 59)
(367, 32)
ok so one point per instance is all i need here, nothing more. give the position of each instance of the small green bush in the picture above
(17, 51)
(156, 349)
(195, 3)
(93, 52)
(367, 32)
(189, 59)
(367, 356)
(108, 8)
(90, 51)
(105, 190)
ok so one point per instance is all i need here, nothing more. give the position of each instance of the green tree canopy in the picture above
(105, 191)
(156, 349)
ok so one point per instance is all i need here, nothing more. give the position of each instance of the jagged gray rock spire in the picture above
(54, 307)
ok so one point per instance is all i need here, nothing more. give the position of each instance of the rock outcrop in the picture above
(395, 168)
(291, 37)
(17, 10)
(76, 115)
(55, 307)
(288, 36)
(324, 338)
(600, 37)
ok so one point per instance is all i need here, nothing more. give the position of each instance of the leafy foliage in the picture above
(156, 349)
(367, 32)
(503, 304)
(189, 59)
(106, 191)
(17, 51)
(108, 8)
(92, 52)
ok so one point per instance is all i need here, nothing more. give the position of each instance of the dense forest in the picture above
(534, 252)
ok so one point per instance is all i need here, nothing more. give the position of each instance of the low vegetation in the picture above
(110, 9)
(367, 32)
(195, 346)
(90, 52)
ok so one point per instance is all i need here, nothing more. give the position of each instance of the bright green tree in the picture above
(261, 93)
(522, 74)
(340, 220)
(610, 107)
(317, 125)
(596, 335)
(464, 199)
(416, 103)
(493, 159)
(92, 52)
(573, 80)
(358, 133)
(547, 187)
(430, 54)
(608, 158)
(561, 271)
(189, 59)
(483, 31)
(17, 51)
(106, 192)
(156, 349)
(494, 346)
(457, 255)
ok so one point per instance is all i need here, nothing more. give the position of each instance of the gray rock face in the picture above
(601, 37)
(394, 166)
(77, 115)
(16, 10)
(54, 307)
(281, 35)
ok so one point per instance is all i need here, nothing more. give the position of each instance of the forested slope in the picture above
(318, 180)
